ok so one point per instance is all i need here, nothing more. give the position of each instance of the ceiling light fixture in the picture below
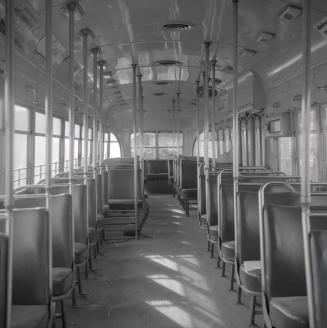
(177, 26)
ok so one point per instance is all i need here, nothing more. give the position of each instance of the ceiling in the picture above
(131, 32)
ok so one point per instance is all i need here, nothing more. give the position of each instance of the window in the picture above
(114, 146)
(160, 145)
(22, 127)
(201, 146)
(167, 143)
(149, 144)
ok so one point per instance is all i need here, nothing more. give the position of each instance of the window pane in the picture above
(90, 134)
(165, 139)
(106, 137)
(115, 150)
(167, 152)
(55, 149)
(56, 126)
(77, 131)
(20, 151)
(66, 149)
(113, 137)
(66, 128)
(39, 123)
(105, 149)
(285, 155)
(40, 152)
(21, 118)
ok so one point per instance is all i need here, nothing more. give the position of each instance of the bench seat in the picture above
(250, 279)
(228, 250)
(62, 280)
(213, 233)
(80, 252)
(190, 193)
(289, 312)
(123, 204)
(29, 316)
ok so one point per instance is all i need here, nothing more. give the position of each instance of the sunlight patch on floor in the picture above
(177, 210)
(173, 312)
(164, 261)
(171, 284)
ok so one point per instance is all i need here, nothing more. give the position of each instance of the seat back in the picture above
(213, 219)
(29, 201)
(30, 257)
(283, 255)
(121, 183)
(104, 187)
(226, 217)
(79, 199)
(170, 167)
(60, 189)
(247, 220)
(155, 166)
(99, 194)
(91, 202)
(318, 243)
(188, 177)
(62, 230)
(3, 278)
(30, 189)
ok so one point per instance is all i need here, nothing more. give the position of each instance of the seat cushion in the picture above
(80, 253)
(289, 312)
(92, 235)
(151, 176)
(250, 278)
(123, 204)
(213, 233)
(228, 250)
(62, 280)
(29, 316)
(190, 193)
(162, 176)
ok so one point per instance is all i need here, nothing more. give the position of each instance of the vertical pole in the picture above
(48, 115)
(206, 127)
(198, 145)
(178, 124)
(95, 52)
(85, 33)
(141, 131)
(174, 143)
(235, 109)
(135, 152)
(213, 125)
(305, 156)
(9, 144)
(102, 63)
(71, 7)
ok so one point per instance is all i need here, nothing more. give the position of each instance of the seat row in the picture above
(255, 223)
(49, 248)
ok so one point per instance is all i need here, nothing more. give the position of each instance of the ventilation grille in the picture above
(159, 93)
(265, 36)
(177, 26)
(321, 27)
(167, 62)
(290, 12)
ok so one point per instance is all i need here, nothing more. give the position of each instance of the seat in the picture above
(62, 280)
(189, 193)
(251, 279)
(162, 176)
(92, 233)
(80, 253)
(29, 316)
(213, 233)
(228, 251)
(289, 312)
(123, 204)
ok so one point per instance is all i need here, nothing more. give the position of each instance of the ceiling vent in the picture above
(177, 26)
(228, 70)
(265, 36)
(290, 12)
(159, 93)
(247, 53)
(162, 82)
(167, 62)
(321, 27)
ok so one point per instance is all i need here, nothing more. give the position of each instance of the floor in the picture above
(164, 280)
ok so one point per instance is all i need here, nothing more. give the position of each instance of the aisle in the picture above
(165, 281)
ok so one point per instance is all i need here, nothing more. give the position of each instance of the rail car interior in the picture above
(163, 163)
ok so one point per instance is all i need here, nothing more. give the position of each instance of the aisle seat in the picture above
(62, 280)
(29, 316)
(227, 251)
(30, 286)
(3, 277)
(290, 312)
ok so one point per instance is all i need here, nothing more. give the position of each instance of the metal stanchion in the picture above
(141, 132)
(9, 145)
(48, 126)
(305, 157)
(102, 63)
(135, 152)
(213, 121)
